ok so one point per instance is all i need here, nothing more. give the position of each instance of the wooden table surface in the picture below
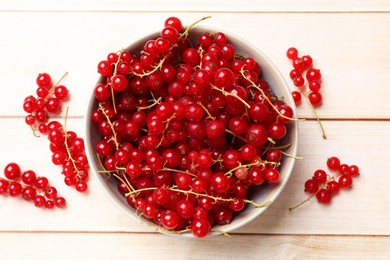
(349, 42)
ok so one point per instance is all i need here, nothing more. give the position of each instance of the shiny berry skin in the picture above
(313, 75)
(170, 219)
(256, 135)
(61, 92)
(292, 53)
(324, 196)
(44, 80)
(223, 78)
(311, 186)
(12, 171)
(277, 130)
(105, 68)
(333, 186)
(333, 163)
(200, 227)
(315, 98)
(28, 193)
(39, 201)
(3, 186)
(81, 186)
(345, 181)
(354, 170)
(29, 177)
(60, 202)
(14, 189)
(320, 176)
(272, 175)
(173, 22)
(41, 183)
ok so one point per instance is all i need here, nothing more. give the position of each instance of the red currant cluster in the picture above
(325, 186)
(303, 65)
(30, 187)
(48, 101)
(303, 68)
(68, 151)
(188, 128)
(66, 147)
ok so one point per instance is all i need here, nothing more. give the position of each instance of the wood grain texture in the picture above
(153, 246)
(242, 6)
(354, 71)
(348, 41)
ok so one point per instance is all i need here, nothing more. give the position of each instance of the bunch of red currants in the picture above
(188, 128)
(29, 186)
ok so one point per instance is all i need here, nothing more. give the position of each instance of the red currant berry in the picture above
(333, 163)
(297, 97)
(12, 171)
(14, 189)
(3, 186)
(44, 80)
(173, 22)
(324, 196)
(345, 181)
(311, 186)
(292, 53)
(60, 202)
(354, 170)
(315, 98)
(313, 75)
(320, 176)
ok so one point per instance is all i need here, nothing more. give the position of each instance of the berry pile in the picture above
(188, 128)
(324, 186)
(67, 148)
(30, 187)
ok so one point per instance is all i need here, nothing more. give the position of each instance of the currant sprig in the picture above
(324, 186)
(67, 148)
(309, 88)
(30, 187)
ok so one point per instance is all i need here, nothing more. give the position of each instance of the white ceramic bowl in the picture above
(266, 193)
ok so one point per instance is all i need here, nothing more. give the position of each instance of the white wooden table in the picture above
(349, 42)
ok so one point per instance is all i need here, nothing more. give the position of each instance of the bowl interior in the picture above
(265, 193)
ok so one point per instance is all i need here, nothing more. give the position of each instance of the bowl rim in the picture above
(282, 85)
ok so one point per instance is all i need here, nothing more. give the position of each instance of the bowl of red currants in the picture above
(191, 130)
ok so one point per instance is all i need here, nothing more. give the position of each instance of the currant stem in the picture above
(175, 170)
(206, 110)
(156, 102)
(155, 68)
(315, 114)
(225, 93)
(111, 125)
(256, 163)
(312, 195)
(185, 33)
(66, 144)
(239, 137)
(303, 202)
(59, 81)
(266, 97)
(34, 131)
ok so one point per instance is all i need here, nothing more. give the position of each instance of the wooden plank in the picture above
(153, 246)
(362, 210)
(201, 6)
(354, 71)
